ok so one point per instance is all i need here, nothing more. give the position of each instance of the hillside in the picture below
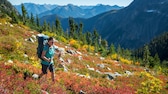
(76, 71)
(6, 7)
(159, 45)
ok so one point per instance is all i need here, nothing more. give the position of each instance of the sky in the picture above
(74, 2)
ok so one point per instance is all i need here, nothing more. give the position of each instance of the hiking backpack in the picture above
(42, 40)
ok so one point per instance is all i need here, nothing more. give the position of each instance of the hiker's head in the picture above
(50, 41)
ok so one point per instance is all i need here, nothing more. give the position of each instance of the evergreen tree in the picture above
(112, 49)
(89, 38)
(32, 19)
(156, 60)
(53, 28)
(45, 26)
(103, 47)
(95, 37)
(104, 44)
(14, 17)
(58, 27)
(81, 37)
(48, 27)
(24, 12)
(119, 50)
(127, 54)
(146, 56)
(37, 21)
(72, 27)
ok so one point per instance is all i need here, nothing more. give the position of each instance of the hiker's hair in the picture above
(50, 38)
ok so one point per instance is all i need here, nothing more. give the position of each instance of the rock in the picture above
(69, 61)
(98, 71)
(101, 65)
(91, 69)
(147, 70)
(25, 55)
(62, 60)
(117, 74)
(87, 66)
(80, 58)
(61, 50)
(34, 37)
(10, 61)
(128, 73)
(11, 25)
(0, 57)
(72, 52)
(96, 54)
(81, 75)
(110, 76)
(78, 52)
(108, 68)
(63, 66)
(44, 92)
(35, 76)
(102, 58)
(66, 47)
(31, 40)
(82, 92)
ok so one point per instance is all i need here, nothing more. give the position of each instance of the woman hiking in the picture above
(47, 56)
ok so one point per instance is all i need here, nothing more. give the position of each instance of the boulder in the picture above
(128, 73)
(35, 76)
(110, 76)
(101, 65)
(78, 52)
(117, 74)
(31, 40)
(80, 58)
(98, 71)
(62, 60)
(102, 58)
(69, 61)
(10, 61)
(82, 92)
(72, 52)
(91, 69)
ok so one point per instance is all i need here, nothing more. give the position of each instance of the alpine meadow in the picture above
(103, 49)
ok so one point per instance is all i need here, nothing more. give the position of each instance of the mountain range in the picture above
(66, 11)
(133, 26)
(130, 27)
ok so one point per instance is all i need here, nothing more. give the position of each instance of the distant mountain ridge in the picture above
(66, 11)
(132, 26)
(35, 8)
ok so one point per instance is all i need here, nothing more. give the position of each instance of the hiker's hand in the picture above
(49, 60)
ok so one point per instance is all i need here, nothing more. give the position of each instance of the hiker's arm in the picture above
(45, 58)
